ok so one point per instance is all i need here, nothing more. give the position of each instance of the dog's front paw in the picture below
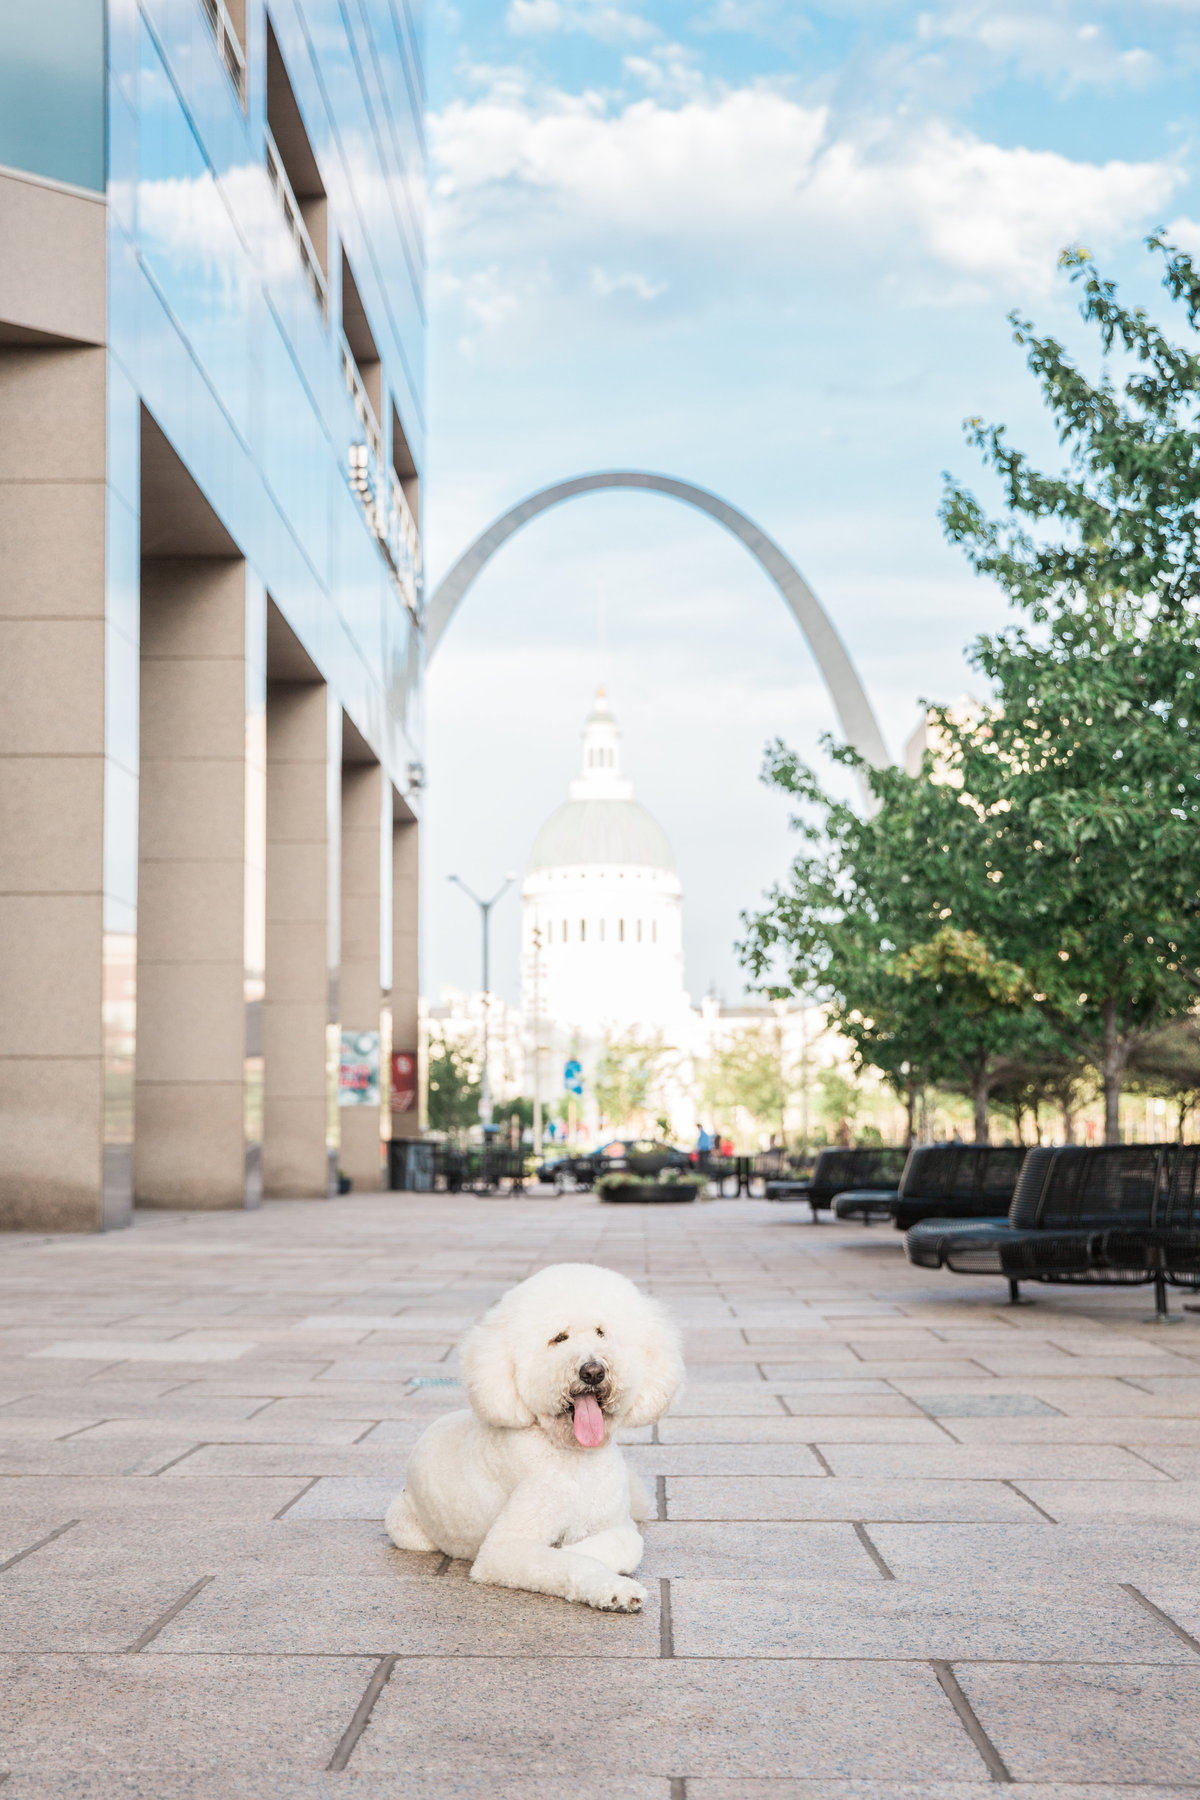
(620, 1595)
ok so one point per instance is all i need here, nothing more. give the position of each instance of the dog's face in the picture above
(577, 1350)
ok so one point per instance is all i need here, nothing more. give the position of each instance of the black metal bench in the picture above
(1112, 1216)
(836, 1170)
(950, 1181)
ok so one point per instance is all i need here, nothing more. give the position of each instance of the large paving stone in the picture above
(127, 1712)
(224, 1497)
(668, 1717)
(1134, 1724)
(1038, 1551)
(347, 1497)
(911, 1426)
(340, 1615)
(757, 1551)
(40, 1610)
(701, 1788)
(1119, 1502)
(1009, 1621)
(778, 1497)
(1014, 1462)
(146, 1454)
(652, 1460)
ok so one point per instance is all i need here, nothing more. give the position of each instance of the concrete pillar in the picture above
(53, 774)
(303, 737)
(197, 1096)
(366, 801)
(406, 975)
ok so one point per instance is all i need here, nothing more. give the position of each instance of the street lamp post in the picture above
(485, 915)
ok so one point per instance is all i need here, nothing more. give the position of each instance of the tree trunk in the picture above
(1068, 1119)
(910, 1109)
(1113, 1071)
(981, 1087)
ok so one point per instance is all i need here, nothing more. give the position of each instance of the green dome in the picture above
(601, 831)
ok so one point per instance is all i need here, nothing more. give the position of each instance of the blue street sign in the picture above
(573, 1076)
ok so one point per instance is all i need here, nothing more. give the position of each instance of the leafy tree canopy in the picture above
(1084, 774)
(1045, 859)
(454, 1084)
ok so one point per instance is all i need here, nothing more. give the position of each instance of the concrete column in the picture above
(197, 1090)
(302, 845)
(406, 974)
(365, 796)
(52, 786)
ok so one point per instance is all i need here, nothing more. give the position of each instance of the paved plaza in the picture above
(910, 1541)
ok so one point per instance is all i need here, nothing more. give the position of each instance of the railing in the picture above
(404, 540)
(228, 48)
(378, 488)
(295, 221)
(364, 411)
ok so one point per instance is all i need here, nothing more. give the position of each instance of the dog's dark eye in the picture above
(599, 1331)
(561, 1338)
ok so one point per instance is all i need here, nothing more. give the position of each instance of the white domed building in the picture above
(602, 932)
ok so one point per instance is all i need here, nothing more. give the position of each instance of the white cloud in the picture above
(1045, 42)
(1184, 232)
(641, 289)
(749, 184)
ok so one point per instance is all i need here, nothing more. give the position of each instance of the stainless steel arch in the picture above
(855, 715)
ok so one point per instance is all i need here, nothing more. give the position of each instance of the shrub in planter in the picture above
(672, 1185)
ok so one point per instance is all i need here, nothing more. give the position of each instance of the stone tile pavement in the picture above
(910, 1541)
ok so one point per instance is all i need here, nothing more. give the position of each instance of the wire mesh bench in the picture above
(957, 1181)
(1113, 1216)
(873, 1167)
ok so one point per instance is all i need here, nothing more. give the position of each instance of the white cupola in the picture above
(600, 777)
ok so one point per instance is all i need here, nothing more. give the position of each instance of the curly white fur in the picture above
(514, 1485)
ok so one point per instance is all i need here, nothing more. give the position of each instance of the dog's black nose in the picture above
(592, 1373)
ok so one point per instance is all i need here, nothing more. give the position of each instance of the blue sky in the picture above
(769, 248)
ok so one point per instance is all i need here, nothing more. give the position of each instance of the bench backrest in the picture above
(966, 1172)
(838, 1170)
(1077, 1188)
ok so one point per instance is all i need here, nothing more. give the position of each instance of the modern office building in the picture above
(211, 438)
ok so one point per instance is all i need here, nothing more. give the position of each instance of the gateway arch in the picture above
(855, 714)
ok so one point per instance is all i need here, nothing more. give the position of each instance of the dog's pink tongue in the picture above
(589, 1422)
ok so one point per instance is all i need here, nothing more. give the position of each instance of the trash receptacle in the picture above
(410, 1165)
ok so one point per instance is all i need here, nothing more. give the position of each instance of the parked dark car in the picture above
(632, 1156)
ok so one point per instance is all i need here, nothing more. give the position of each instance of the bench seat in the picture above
(867, 1204)
(1112, 1215)
(872, 1166)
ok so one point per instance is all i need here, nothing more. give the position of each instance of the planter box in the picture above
(650, 1191)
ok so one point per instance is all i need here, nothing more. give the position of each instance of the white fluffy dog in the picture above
(529, 1485)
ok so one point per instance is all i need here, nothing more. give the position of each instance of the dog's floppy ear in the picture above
(490, 1376)
(662, 1367)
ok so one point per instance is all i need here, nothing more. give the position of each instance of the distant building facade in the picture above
(601, 905)
(211, 438)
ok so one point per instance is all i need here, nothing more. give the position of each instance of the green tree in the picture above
(629, 1073)
(838, 1104)
(454, 1084)
(748, 1070)
(1167, 1064)
(1084, 776)
(877, 918)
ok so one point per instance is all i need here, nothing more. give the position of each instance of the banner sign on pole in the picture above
(404, 1081)
(358, 1074)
